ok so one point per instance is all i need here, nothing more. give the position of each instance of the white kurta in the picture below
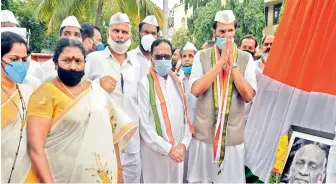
(102, 63)
(137, 57)
(49, 70)
(35, 74)
(191, 103)
(201, 167)
(157, 166)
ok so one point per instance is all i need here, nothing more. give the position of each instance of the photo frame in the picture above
(307, 157)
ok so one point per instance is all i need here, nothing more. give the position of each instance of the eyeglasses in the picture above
(162, 56)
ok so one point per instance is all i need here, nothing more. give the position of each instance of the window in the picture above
(276, 13)
(266, 15)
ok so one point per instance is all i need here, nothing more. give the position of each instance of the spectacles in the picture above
(162, 56)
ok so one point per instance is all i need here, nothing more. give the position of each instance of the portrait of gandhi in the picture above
(307, 162)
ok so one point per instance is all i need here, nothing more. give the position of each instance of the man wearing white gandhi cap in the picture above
(35, 72)
(223, 78)
(70, 27)
(8, 19)
(187, 59)
(148, 32)
(118, 75)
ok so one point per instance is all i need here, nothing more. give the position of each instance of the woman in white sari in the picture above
(74, 126)
(14, 97)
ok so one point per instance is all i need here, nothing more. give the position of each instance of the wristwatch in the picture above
(233, 65)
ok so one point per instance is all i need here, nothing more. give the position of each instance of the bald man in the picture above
(309, 165)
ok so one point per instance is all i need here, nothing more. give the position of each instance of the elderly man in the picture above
(148, 32)
(309, 165)
(119, 76)
(35, 72)
(164, 125)
(69, 28)
(249, 44)
(223, 78)
(267, 42)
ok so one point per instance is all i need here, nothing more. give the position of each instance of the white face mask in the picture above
(146, 42)
(119, 48)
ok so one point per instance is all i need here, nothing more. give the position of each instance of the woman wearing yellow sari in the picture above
(73, 125)
(14, 97)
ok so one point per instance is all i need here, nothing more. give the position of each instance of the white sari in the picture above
(80, 144)
(10, 137)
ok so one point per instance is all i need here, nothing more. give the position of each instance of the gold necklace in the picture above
(73, 96)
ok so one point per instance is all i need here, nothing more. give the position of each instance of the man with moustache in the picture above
(249, 44)
(267, 42)
(118, 75)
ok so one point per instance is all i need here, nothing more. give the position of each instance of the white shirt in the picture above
(49, 70)
(102, 63)
(191, 99)
(180, 129)
(136, 56)
(35, 74)
(250, 71)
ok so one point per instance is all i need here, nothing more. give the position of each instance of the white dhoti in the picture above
(202, 169)
(158, 168)
(131, 167)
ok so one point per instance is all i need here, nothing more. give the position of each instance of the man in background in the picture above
(249, 44)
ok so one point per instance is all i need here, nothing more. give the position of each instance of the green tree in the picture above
(24, 12)
(250, 17)
(200, 25)
(5, 4)
(181, 37)
(97, 11)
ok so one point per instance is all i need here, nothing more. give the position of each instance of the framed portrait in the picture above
(307, 157)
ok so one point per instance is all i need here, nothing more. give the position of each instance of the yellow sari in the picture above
(80, 143)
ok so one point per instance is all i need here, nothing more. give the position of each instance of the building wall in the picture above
(270, 28)
(180, 18)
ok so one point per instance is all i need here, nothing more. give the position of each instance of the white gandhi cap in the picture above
(119, 18)
(189, 46)
(150, 19)
(8, 16)
(18, 30)
(225, 17)
(70, 21)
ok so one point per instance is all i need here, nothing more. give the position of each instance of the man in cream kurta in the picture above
(187, 59)
(148, 32)
(113, 68)
(232, 168)
(159, 164)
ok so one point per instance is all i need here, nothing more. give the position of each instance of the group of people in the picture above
(154, 114)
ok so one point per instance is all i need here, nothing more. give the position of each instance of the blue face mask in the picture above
(187, 69)
(162, 67)
(220, 42)
(100, 47)
(16, 71)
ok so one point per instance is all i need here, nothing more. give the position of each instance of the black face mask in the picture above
(70, 77)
